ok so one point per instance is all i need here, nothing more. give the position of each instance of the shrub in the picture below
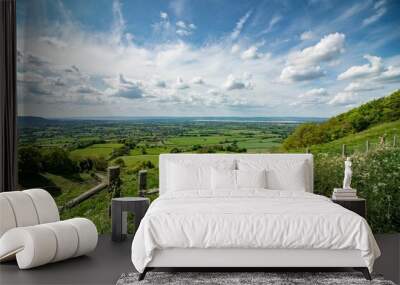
(376, 177)
(175, 150)
(120, 162)
(100, 163)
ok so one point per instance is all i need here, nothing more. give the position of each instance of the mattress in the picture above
(250, 219)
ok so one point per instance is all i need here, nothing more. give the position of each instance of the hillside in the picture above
(30, 121)
(373, 113)
(357, 142)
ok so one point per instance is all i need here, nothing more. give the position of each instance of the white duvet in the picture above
(250, 219)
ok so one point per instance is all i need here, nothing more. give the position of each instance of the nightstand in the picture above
(119, 208)
(357, 205)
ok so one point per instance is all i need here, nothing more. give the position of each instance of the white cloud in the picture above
(52, 41)
(316, 92)
(379, 10)
(373, 68)
(308, 35)
(129, 89)
(181, 24)
(239, 26)
(180, 84)
(119, 22)
(312, 97)
(343, 99)
(184, 29)
(329, 48)
(391, 74)
(301, 73)
(163, 15)
(160, 83)
(233, 83)
(251, 53)
(361, 87)
(198, 80)
(354, 10)
(274, 20)
(305, 64)
(235, 48)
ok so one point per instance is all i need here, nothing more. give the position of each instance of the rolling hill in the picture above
(355, 121)
(357, 142)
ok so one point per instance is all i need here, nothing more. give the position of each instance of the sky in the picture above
(204, 58)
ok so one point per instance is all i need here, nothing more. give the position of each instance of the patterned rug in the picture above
(243, 278)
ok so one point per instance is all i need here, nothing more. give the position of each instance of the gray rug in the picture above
(236, 278)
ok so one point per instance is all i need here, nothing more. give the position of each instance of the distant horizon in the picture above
(175, 116)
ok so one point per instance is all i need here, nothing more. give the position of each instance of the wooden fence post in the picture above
(343, 150)
(142, 182)
(394, 140)
(113, 174)
(114, 181)
(367, 146)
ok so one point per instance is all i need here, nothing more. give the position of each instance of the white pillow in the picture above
(281, 174)
(251, 178)
(186, 175)
(223, 179)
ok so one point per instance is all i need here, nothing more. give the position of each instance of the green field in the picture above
(77, 151)
(96, 150)
(133, 160)
(189, 141)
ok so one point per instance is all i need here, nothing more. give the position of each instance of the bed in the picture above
(246, 211)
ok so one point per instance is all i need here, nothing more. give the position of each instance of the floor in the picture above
(110, 260)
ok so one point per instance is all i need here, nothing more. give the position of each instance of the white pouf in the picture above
(31, 232)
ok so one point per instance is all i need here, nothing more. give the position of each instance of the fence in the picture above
(348, 149)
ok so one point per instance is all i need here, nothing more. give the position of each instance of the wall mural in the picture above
(104, 83)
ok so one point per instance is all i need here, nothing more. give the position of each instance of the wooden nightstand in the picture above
(357, 205)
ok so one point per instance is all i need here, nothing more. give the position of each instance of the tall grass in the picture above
(376, 176)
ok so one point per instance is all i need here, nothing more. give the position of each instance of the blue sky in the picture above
(214, 57)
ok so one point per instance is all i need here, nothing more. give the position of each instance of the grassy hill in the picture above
(373, 113)
(357, 142)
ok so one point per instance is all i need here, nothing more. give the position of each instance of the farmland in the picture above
(66, 157)
(63, 156)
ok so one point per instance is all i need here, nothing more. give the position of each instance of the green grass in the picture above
(189, 141)
(96, 150)
(260, 144)
(151, 150)
(132, 160)
(72, 186)
(95, 209)
(357, 142)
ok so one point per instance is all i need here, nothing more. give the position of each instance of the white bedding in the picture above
(250, 219)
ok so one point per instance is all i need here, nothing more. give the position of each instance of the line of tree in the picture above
(385, 109)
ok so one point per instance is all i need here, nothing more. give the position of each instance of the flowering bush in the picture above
(376, 176)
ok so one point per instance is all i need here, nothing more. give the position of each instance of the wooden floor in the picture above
(110, 260)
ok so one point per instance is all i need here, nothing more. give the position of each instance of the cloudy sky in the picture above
(209, 57)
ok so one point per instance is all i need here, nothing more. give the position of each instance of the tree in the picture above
(29, 160)
(57, 160)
